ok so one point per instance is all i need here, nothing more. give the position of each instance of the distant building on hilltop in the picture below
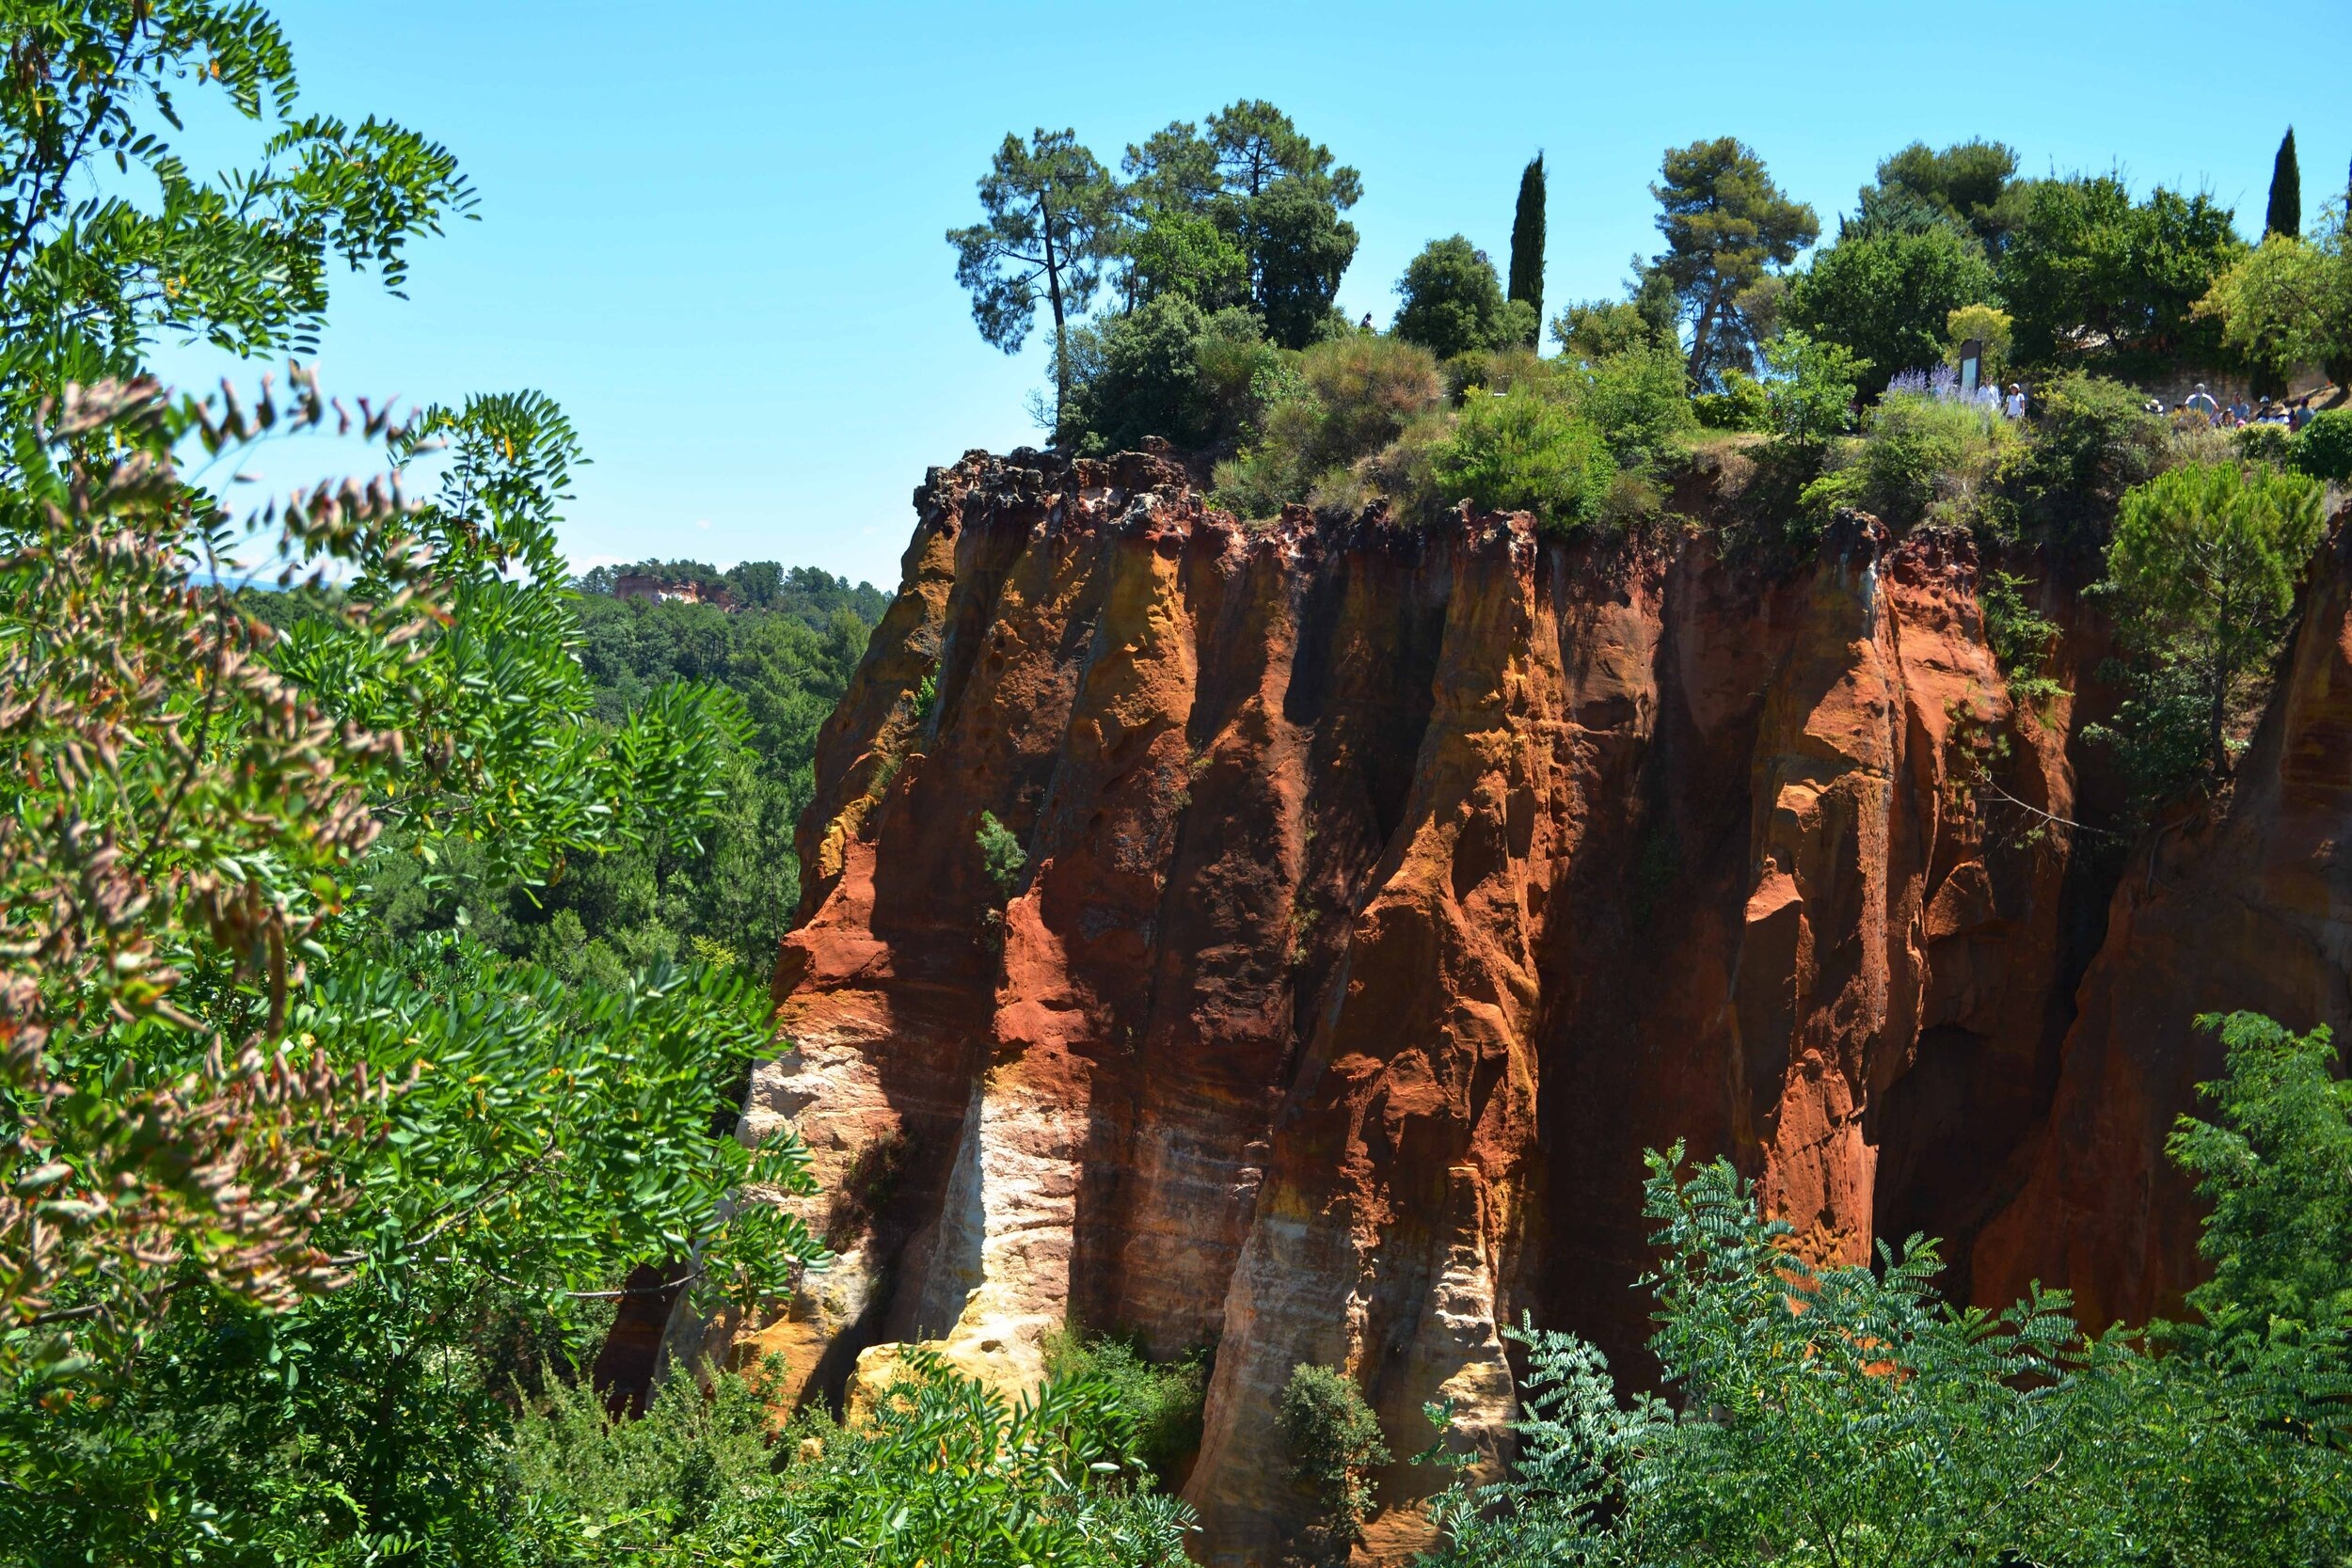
(645, 585)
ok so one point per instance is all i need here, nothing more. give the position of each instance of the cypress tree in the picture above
(2287, 191)
(1527, 239)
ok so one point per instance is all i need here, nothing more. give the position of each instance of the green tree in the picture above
(1045, 210)
(1453, 301)
(91, 275)
(1527, 240)
(2284, 214)
(2093, 278)
(1725, 223)
(2203, 573)
(1257, 144)
(1175, 235)
(2288, 303)
(1811, 391)
(1966, 184)
(1246, 211)
(2274, 1168)
(1593, 330)
(1287, 194)
(1888, 294)
(1334, 1440)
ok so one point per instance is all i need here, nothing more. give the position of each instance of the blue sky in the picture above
(713, 229)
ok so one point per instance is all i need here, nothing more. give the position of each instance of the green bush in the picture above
(2020, 637)
(2088, 440)
(1810, 396)
(2263, 443)
(1742, 405)
(1640, 403)
(1520, 452)
(1920, 452)
(1164, 1400)
(1825, 1414)
(1165, 368)
(941, 1471)
(1001, 855)
(1454, 302)
(1342, 400)
(2322, 449)
(1333, 1439)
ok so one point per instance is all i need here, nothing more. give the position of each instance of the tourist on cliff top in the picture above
(2014, 405)
(2201, 401)
(2300, 415)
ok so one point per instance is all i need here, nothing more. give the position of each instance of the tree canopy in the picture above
(1726, 225)
(1453, 303)
(1045, 206)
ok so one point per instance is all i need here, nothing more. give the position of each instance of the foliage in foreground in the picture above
(939, 1470)
(1850, 1415)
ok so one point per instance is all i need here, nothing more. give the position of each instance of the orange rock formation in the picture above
(1389, 892)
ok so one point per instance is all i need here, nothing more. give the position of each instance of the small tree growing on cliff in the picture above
(1001, 855)
(1333, 1439)
(1046, 206)
(2202, 572)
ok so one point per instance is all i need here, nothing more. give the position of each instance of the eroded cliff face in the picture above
(1389, 893)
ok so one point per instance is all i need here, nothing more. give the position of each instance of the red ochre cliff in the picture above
(1390, 891)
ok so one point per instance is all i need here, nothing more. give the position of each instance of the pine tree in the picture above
(2287, 191)
(1527, 239)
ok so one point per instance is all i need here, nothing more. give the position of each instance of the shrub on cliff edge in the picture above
(1521, 452)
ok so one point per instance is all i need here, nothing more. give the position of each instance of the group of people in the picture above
(2203, 404)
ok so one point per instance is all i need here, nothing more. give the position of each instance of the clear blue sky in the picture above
(713, 229)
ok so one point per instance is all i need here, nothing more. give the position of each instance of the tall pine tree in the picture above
(1527, 239)
(2287, 191)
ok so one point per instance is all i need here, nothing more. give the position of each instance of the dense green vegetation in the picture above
(1850, 1415)
(381, 954)
(938, 1471)
(786, 651)
(384, 952)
